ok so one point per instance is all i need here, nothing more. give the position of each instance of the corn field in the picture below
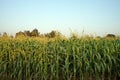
(60, 59)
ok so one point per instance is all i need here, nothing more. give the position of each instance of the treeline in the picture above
(52, 34)
(34, 33)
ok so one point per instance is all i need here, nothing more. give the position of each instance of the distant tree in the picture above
(35, 33)
(53, 34)
(47, 35)
(110, 35)
(19, 34)
(27, 33)
(5, 34)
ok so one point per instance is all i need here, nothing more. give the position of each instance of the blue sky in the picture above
(94, 16)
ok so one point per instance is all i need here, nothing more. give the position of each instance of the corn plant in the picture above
(60, 59)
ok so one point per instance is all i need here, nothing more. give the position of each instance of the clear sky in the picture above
(94, 16)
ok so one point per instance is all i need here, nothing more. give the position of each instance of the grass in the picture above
(60, 59)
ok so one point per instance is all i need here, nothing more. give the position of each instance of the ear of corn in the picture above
(72, 59)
